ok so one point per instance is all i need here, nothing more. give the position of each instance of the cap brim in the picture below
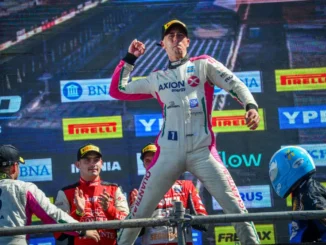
(21, 160)
(98, 153)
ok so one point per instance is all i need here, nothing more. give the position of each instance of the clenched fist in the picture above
(136, 48)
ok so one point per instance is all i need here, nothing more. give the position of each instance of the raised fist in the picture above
(136, 48)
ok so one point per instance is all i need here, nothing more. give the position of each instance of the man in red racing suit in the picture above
(91, 199)
(186, 141)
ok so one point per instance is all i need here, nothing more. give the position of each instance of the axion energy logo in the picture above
(255, 196)
(233, 121)
(300, 79)
(92, 128)
(225, 235)
(302, 117)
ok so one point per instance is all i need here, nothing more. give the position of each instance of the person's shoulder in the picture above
(72, 186)
(200, 57)
(106, 183)
(185, 183)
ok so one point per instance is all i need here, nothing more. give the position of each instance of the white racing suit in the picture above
(186, 141)
(19, 201)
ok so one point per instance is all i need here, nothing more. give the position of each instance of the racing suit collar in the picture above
(175, 64)
(95, 182)
(4, 176)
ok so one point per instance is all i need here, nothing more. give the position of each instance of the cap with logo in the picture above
(151, 147)
(168, 25)
(84, 150)
(9, 155)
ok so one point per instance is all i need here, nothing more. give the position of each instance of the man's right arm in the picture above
(121, 89)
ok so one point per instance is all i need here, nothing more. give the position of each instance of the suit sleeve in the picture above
(135, 90)
(222, 77)
(40, 205)
(118, 210)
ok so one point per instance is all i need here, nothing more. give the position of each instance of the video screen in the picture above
(57, 59)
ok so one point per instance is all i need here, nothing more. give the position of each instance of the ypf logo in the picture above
(193, 81)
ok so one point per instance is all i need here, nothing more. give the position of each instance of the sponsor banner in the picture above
(300, 79)
(240, 160)
(9, 105)
(92, 128)
(5, 45)
(106, 167)
(85, 90)
(289, 198)
(252, 79)
(226, 234)
(35, 170)
(302, 117)
(148, 124)
(42, 241)
(197, 237)
(140, 166)
(317, 152)
(254, 196)
(234, 121)
(35, 218)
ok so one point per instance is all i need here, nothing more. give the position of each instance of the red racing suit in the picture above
(184, 191)
(186, 141)
(118, 208)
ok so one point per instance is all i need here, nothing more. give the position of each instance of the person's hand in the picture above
(252, 119)
(105, 199)
(93, 234)
(136, 48)
(132, 197)
(79, 200)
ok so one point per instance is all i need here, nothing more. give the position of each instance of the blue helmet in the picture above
(288, 167)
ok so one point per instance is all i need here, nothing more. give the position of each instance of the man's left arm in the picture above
(222, 77)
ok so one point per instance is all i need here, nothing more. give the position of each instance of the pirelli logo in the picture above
(92, 128)
(300, 79)
(233, 121)
(226, 234)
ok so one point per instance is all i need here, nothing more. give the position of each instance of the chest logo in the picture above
(193, 81)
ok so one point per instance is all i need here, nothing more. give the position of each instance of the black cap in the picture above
(9, 155)
(151, 147)
(82, 151)
(171, 23)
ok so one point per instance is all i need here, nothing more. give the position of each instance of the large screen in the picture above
(57, 59)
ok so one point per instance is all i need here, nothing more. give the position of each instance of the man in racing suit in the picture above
(182, 190)
(309, 195)
(92, 199)
(19, 200)
(188, 85)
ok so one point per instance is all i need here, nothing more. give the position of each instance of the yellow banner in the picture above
(92, 128)
(233, 121)
(226, 234)
(35, 218)
(300, 79)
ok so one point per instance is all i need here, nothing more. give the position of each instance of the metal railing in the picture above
(179, 219)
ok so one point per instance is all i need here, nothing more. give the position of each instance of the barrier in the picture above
(179, 219)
